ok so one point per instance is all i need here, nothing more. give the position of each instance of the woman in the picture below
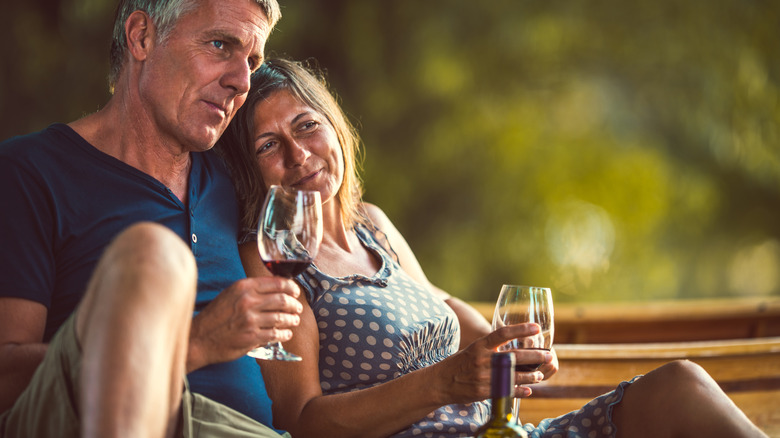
(385, 351)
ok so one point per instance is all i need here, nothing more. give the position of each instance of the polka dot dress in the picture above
(594, 420)
(376, 329)
(373, 330)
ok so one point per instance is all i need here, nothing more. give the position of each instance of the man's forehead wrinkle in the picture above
(224, 35)
(253, 28)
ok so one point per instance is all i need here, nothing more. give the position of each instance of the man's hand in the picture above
(248, 314)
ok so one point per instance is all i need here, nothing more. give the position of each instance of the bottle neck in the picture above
(501, 409)
(502, 385)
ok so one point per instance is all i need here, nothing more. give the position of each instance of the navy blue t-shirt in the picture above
(63, 201)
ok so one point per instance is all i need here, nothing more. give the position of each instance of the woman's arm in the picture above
(472, 324)
(300, 407)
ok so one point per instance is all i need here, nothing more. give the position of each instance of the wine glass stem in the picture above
(516, 411)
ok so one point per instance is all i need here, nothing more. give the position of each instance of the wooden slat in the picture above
(662, 321)
(696, 309)
(719, 348)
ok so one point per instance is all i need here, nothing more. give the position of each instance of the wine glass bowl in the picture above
(523, 304)
(288, 238)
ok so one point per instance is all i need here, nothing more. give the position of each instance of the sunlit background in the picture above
(614, 151)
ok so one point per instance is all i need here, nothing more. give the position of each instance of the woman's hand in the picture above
(465, 376)
(551, 367)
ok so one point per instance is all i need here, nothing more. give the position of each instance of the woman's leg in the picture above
(133, 326)
(680, 399)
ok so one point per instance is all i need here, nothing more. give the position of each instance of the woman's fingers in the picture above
(522, 391)
(505, 334)
(470, 368)
(528, 377)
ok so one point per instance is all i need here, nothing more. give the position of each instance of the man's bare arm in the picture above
(22, 323)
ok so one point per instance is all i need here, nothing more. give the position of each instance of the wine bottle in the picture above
(502, 384)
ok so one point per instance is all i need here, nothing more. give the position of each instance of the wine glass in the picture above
(288, 237)
(520, 304)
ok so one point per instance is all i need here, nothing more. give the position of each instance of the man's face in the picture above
(192, 84)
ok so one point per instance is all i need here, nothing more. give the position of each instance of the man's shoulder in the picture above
(212, 159)
(213, 165)
(50, 137)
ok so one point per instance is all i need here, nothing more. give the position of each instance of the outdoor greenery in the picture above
(614, 151)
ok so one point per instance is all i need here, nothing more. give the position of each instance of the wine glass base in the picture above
(274, 353)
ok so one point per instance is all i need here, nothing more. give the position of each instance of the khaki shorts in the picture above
(48, 407)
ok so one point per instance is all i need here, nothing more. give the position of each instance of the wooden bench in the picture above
(748, 370)
(599, 345)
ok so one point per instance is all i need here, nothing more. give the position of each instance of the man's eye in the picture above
(218, 44)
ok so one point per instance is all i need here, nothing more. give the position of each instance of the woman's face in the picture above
(296, 147)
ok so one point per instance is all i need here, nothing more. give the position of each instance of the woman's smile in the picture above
(306, 179)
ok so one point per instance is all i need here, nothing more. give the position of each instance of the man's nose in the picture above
(237, 76)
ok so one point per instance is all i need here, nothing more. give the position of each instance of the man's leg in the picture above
(133, 327)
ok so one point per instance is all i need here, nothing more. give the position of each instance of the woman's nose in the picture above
(297, 154)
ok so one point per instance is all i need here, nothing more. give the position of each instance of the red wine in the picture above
(529, 367)
(286, 268)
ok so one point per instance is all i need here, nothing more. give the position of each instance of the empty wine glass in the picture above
(520, 304)
(288, 238)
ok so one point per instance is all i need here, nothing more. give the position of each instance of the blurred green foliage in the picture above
(612, 150)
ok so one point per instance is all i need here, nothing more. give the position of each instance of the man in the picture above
(113, 222)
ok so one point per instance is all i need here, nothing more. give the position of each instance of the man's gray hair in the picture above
(164, 15)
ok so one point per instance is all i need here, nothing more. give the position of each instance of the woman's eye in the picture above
(264, 147)
(309, 125)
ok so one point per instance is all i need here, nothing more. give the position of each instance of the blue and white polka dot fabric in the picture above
(594, 420)
(376, 329)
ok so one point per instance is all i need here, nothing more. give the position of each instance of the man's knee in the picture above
(144, 254)
(148, 241)
(147, 266)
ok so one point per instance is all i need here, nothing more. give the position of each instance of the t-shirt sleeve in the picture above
(26, 230)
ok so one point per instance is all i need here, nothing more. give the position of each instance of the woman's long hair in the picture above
(237, 145)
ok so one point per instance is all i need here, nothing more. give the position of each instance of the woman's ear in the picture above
(140, 33)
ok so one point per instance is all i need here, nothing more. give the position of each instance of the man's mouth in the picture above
(218, 107)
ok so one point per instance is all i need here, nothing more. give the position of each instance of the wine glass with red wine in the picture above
(288, 238)
(519, 304)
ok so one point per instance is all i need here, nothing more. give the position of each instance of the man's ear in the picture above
(140, 33)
